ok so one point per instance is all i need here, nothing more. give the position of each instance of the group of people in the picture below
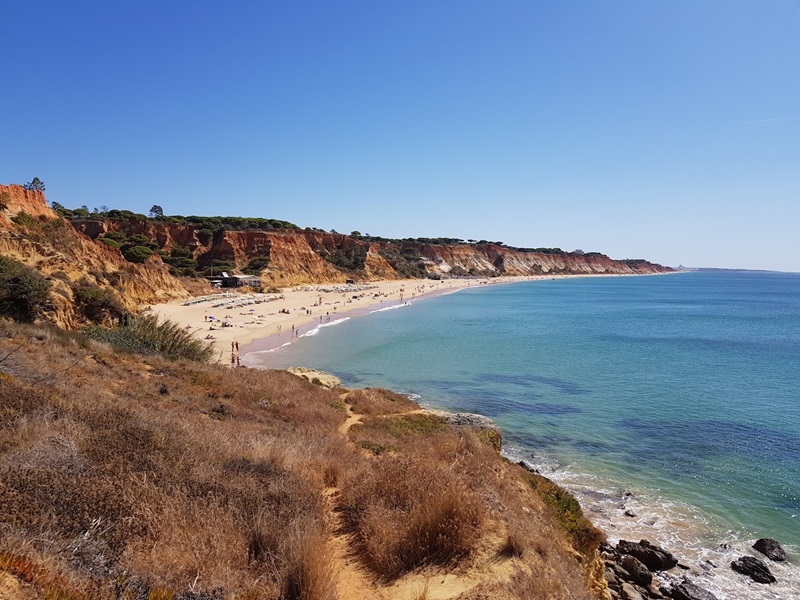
(235, 354)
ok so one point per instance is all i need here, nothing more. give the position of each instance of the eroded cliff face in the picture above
(492, 260)
(68, 258)
(299, 257)
(18, 199)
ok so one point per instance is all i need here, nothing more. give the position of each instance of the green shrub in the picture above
(109, 242)
(24, 293)
(204, 235)
(567, 511)
(146, 335)
(137, 254)
(256, 265)
(97, 304)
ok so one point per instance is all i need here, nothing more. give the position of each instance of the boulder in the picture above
(753, 568)
(640, 575)
(653, 557)
(771, 549)
(686, 590)
(630, 593)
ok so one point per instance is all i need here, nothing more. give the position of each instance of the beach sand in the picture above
(273, 319)
(259, 322)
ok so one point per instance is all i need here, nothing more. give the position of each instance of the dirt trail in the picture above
(356, 583)
(352, 418)
(353, 581)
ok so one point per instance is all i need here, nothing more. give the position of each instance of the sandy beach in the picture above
(229, 318)
(237, 322)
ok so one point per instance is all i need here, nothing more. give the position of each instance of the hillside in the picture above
(126, 476)
(32, 233)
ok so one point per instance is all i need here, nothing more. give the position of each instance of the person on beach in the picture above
(237, 361)
(237, 346)
(233, 358)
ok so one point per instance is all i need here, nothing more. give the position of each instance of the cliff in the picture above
(32, 233)
(295, 257)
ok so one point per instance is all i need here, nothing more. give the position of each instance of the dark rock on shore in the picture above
(630, 578)
(529, 467)
(629, 592)
(771, 549)
(686, 590)
(753, 568)
(639, 574)
(653, 557)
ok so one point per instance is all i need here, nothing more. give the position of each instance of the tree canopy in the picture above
(36, 184)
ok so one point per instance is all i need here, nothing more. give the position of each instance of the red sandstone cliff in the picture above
(67, 258)
(309, 256)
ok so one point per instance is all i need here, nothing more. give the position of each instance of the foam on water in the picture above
(318, 328)
(394, 307)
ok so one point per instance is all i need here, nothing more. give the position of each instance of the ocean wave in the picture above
(316, 329)
(393, 307)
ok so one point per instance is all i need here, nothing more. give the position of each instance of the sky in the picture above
(665, 130)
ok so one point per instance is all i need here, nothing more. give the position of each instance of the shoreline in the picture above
(259, 321)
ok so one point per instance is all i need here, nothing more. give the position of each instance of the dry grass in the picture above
(179, 490)
(407, 513)
(381, 434)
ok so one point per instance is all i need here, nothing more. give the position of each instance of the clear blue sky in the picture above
(668, 130)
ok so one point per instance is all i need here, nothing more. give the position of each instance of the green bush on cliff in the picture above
(567, 511)
(24, 293)
(97, 304)
(137, 254)
(256, 265)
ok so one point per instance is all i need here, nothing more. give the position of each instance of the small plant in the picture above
(146, 335)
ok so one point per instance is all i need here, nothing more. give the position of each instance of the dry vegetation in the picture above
(126, 476)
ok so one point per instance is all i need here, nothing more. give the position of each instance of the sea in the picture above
(669, 405)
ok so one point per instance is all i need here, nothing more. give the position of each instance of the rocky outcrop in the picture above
(629, 573)
(686, 590)
(754, 569)
(315, 376)
(771, 549)
(653, 557)
(17, 199)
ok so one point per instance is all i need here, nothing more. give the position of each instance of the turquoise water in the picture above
(681, 388)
